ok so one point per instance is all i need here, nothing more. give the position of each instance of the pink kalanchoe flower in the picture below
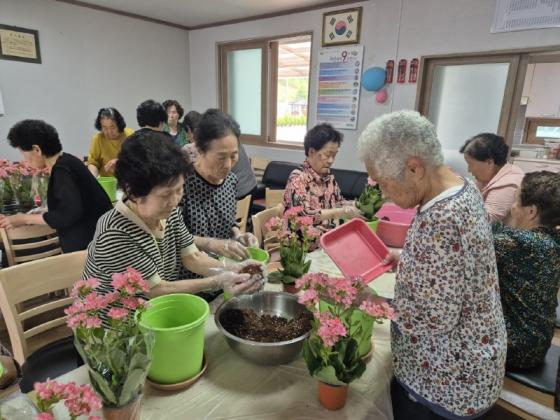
(389, 311)
(81, 400)
(312, 232)
(94, 302)
(342, 290)
(330, 329)
(293, 212)
(378, 310)
(92, 322)
(83, 287)
(75, 308)
(83, 320)
(371, 182)
(131, 302)
(309, 297)
(274, 223)
(44, 416)
(118, 313)
(305, 220)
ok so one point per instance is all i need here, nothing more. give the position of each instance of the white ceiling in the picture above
(192, 13)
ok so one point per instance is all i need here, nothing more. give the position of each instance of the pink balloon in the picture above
(381, 96)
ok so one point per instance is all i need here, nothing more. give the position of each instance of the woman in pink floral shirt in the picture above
(449, 338)
(313, 187)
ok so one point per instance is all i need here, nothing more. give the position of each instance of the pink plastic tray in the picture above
(393, 231)
(356, 250)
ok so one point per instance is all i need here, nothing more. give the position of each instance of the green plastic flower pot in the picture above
(258, 254)
(177, 322)
(373, 225)
(109, 184)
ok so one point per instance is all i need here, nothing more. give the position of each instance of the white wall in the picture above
(544, 100)
(91, 59)
(421, 28)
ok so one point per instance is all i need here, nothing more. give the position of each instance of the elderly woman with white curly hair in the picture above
(449, 339)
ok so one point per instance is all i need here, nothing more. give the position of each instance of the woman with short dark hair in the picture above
(75, 199)
(209, 205)
(528, 258)
(314, 187)
(172, 126)
(190, 123)
(486, 155)
(145, 230)
(151, 115)
(107, 143)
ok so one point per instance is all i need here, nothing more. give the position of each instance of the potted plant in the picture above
(80, 400)
(4, 183)
(296, 235)
(41, 185)
(118, 354)
(21, 180)
(332, 349)
(369, 203)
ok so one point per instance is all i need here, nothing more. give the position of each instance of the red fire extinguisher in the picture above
(389, 69)
(413, 75)
(401, 73)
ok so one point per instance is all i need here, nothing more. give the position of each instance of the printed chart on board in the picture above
(338, 98)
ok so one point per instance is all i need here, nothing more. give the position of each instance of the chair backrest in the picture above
(242, 213)
(277, 173)
(29, 243)
(260, 219)
(351, 183)
(23, 282)
(273, 197)
(259, 165)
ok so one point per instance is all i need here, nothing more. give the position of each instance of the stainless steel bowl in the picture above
(265, 303)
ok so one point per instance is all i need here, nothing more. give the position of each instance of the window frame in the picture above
(518, 59)
(269, 87)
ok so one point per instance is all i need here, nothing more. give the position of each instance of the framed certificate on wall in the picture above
(19, 44)
(342, 27)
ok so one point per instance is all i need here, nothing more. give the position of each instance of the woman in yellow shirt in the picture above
(106, 145)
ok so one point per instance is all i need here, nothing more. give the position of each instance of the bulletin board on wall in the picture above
(339, 85)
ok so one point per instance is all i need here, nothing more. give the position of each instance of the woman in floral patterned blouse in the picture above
(313, 187)
(528, 257)
(449, 339)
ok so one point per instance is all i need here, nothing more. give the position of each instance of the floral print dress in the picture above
(449, 338)
(529, 270)
(313, 192)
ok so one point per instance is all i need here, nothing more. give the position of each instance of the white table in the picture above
(234, 388)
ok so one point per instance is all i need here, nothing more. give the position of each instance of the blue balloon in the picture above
(373, 79)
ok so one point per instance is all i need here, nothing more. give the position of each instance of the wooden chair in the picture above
(242, 213)
(273, 198)
(536, 386)
(267, 241)
(259, 165)
(46, 349)
(29, 243)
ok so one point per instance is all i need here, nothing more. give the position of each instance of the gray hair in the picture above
(388, 141)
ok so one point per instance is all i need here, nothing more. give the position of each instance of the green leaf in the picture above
(329, 376)
(102, 388)
(312, 358)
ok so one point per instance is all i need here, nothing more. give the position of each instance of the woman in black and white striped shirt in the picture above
(145, 230)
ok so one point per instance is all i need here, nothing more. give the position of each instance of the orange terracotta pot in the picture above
(332, 397)
(290, 288)
(131, 411)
